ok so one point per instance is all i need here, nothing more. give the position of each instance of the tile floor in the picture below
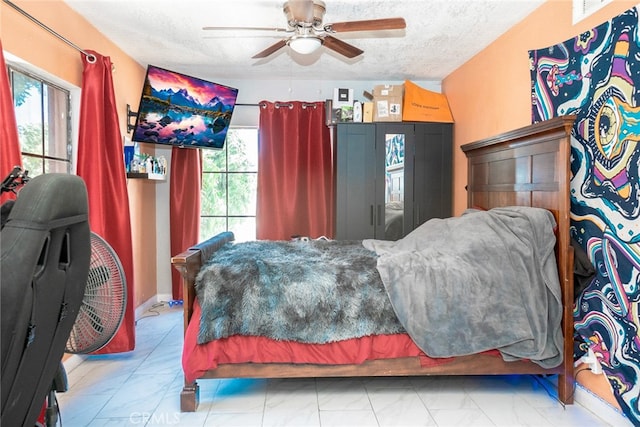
(142, 388)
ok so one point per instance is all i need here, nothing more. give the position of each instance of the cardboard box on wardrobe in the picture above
(387, 103)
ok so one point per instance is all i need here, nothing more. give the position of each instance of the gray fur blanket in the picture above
(484, 280)
(312, 292)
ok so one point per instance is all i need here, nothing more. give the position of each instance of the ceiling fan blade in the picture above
(341, 47)
(277, 30)
(367, 25)
(271, 49)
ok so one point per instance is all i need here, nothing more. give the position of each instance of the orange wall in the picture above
(491, 94)
(26, 40)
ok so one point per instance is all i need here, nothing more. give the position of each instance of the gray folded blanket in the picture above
(484, 280)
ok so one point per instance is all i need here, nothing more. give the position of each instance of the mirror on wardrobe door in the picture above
(394, 178)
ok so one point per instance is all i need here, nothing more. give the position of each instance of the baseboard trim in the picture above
(73, 361)
(599, 407)
(164, 297)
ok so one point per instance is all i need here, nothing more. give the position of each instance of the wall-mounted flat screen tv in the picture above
(176, 109)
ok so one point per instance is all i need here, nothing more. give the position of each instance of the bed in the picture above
(524, 167)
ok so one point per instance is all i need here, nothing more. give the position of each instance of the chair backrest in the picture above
(45, 253)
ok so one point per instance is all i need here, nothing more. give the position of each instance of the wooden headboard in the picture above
(530, 167)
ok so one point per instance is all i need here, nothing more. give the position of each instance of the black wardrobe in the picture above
(391, 177)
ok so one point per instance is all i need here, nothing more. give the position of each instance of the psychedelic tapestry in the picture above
(596, 76)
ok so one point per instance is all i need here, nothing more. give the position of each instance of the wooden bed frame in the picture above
(528, 166)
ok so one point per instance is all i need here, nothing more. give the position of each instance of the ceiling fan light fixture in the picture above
(305, 44)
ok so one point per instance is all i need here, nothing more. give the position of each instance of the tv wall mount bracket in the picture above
(130, 114)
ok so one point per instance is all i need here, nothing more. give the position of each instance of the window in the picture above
(229, 186)
(44, 123)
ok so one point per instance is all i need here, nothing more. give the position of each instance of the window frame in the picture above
(42, 158)
(226, 172)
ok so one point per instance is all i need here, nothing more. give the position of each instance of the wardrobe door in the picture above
(397, 140)
(432, 172)
(357, 164)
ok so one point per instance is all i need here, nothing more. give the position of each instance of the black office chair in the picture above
(45, 251)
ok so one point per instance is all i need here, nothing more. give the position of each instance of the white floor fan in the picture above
(104, 302)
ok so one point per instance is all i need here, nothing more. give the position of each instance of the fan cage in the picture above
(104, 302)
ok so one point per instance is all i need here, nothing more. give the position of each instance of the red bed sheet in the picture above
(199, 358)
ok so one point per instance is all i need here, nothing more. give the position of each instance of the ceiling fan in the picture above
(305, 32)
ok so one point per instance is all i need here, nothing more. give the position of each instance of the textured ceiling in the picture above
(440, 36)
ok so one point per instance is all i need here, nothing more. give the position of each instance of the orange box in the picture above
(421, 105)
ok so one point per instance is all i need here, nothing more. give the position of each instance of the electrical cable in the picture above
(152, 310)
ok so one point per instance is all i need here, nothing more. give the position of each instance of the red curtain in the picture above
(101, 165)
(295, 173)
(9, 144)
(184, 212)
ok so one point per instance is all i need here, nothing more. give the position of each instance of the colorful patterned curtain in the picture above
(596, 76)
(295, 174)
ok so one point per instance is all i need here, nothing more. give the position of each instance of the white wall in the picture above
(252, 92)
